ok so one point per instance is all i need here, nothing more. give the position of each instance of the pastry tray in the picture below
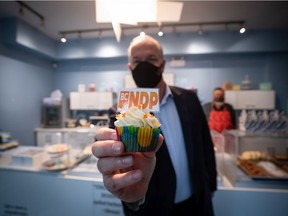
(256, 172)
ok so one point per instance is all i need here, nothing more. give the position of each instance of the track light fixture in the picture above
(173, 28)
(99, 34)
(42, 24)
(160, 32)
(200, 30)
(26, 6)
(79, 35)
(21, 11)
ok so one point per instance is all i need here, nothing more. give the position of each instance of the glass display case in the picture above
(219, 142)
(66, 147)
(253, 158)
(46, 136)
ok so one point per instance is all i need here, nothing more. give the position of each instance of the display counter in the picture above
(35, 191)
(79, 190)
(240, 193)
(251, 157)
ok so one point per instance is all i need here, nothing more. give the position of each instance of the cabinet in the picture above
(251, 99)
(90, 100)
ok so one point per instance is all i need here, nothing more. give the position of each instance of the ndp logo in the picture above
(148, 99)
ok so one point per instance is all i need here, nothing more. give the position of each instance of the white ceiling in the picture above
(80, 15)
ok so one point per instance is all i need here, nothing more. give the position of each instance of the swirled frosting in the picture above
(136, 117)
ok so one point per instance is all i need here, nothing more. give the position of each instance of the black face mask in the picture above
(146, 75)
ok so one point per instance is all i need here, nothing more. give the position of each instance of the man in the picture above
(179, 178)
(220, 115)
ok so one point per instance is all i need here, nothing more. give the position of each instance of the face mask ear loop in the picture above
(161, 67)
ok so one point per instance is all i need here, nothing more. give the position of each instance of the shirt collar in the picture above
(168, 93)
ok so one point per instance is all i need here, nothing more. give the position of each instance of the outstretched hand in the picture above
(125, 174)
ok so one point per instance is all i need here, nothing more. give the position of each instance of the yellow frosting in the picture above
(136, 117)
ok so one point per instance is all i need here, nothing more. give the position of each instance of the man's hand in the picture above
(125, 174)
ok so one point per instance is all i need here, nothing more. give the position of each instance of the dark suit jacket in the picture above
(201, 159)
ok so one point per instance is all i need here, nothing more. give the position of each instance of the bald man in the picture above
(179, 177)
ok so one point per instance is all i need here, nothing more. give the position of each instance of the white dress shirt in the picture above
(173, 134)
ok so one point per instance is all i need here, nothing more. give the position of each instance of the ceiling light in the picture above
(160, 33)
(63, 39)
(126, 12)
(242, 30)
(133, 12)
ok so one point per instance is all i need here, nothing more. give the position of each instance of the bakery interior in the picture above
(54, 95)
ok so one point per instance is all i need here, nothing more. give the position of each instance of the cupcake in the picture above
(138, 130)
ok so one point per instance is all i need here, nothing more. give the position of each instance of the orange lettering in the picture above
(133, 99)
(144, 99)
(153, 99)
(123, 98)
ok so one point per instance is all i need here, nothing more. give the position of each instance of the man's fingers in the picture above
(106, 134)
(109, 164)
(107, 148)
(118, 181)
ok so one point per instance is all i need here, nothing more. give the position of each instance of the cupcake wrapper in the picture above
(138, 139)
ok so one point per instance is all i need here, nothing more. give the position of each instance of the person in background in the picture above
(220, 115)
(179, 177)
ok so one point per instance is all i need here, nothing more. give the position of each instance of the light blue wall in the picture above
(205, 72)
(210, 59)
(19, 34)
(24, 80)
(27, 75)
(22, 87)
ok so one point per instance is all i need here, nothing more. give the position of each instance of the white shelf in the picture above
(251, 99)
(91, 100)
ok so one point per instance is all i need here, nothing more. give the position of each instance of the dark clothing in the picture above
(201, 159)
(186, 207)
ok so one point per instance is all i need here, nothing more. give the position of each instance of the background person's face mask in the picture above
(218, 100)
(147, 75)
